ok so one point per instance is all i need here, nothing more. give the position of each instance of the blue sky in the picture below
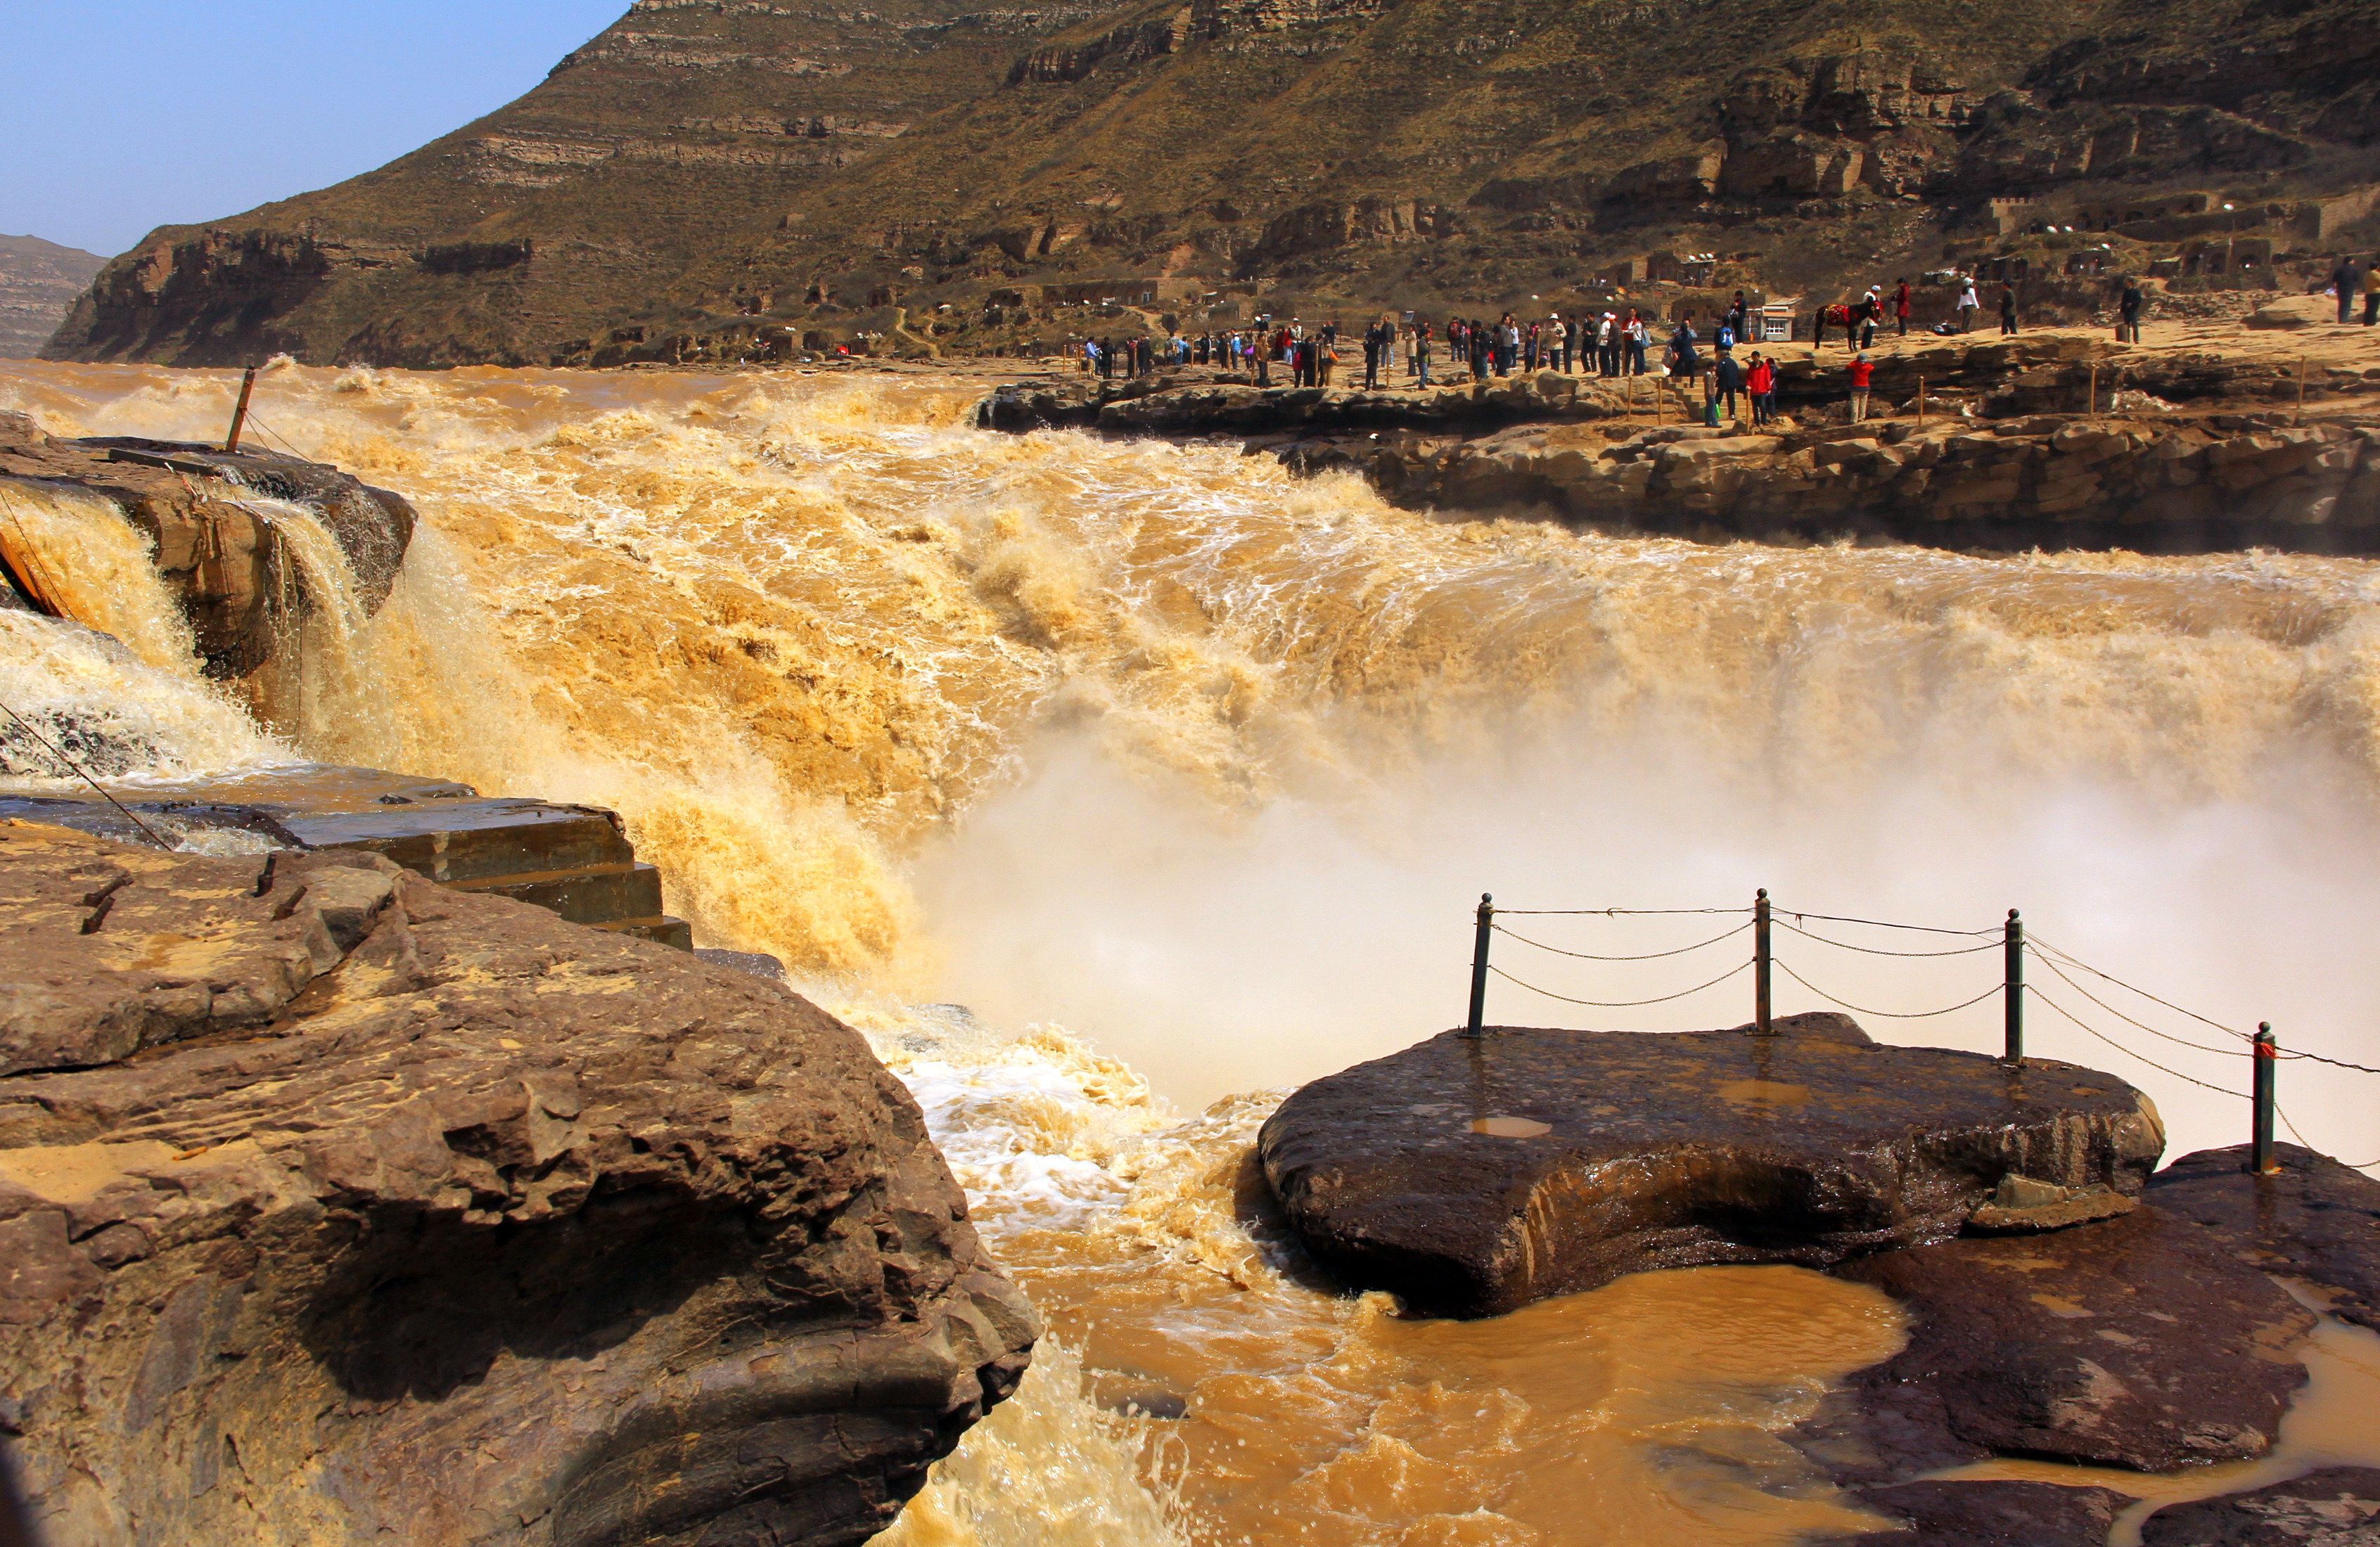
(121, 115)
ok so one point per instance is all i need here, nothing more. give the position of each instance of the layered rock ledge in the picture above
(339, 1206)
(226, 562)
(1471, 1177)
(2051, 441)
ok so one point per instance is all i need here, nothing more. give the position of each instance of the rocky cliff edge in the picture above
(337, 1207)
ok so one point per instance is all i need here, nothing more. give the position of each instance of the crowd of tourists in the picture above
(1608, 344)
(1611, 345)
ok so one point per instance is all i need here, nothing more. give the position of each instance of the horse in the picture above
(1845, 317)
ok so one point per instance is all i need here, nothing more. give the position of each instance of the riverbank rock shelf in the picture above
(340, 1207)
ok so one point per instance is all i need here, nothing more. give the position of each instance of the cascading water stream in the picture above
(1207, 764)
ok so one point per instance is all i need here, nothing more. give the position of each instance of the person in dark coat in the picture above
(2128, 311)
(2008, 308)
(2346, 279)
(1683, 360)
(1729, 380)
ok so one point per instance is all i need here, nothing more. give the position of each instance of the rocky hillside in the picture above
(716, 178)
(39, 281)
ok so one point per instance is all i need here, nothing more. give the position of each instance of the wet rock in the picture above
(373, 526)
(2053, 480)
(410, 1215)
(228, 565)
(760, 965)
(1990, 1515)
(2314, 1219)
(2023, 1204)
(2338, 1506)
(2136, 1342)
(1474, 1177)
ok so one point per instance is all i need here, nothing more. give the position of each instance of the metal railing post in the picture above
(2012, 988)
(1760, 1017)
(240, 415)
(2260, 1145)
(1479, 961)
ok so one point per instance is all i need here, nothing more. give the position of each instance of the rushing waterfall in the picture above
(1205, 766)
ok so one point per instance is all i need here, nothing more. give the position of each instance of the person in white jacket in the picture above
(1968, 304)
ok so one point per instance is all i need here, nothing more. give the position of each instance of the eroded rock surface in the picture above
(2338, 1506)
(337, 1207)
(1474, 1177)
(1990, 1515)
(2135, 1342)
(2314, 1219)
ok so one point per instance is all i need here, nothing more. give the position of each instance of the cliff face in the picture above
(39, 281)
(707, 176)
(337, 1207)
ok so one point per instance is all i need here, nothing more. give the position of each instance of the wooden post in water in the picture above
(2260, 1131)
(1760, 1017)
(2091, 395)
(240, 415)
(1921, 403)
(2301, 419)
(2013, 987)
(1479, 961)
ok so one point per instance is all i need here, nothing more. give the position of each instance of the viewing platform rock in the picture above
(571, 860)
(1471, 1177)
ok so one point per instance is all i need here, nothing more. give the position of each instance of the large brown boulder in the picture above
(1473, 1177)
(337, 1207)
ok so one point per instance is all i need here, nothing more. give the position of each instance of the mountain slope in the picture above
(709, 173)
(39, 281)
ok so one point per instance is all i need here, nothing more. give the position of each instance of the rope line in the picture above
(1888, 1014)
(2178, 1041)
(1613, 912)
(1619, 1004)
(2071, 960)
(1879, 924)
(2127, 1052)
(34, 559)
(2283, 1114)
(275, 434)
(2335, 1063)
(1652, 956)
(2074, 960)
(76, 768)
(1877, 951)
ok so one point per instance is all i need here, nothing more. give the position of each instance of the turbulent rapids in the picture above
(1180, 775)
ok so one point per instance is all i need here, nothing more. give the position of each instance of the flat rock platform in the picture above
(1473, 1177)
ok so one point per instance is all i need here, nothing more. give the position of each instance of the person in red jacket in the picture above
(1760, 383)
(1900, 306)
(1862, 374)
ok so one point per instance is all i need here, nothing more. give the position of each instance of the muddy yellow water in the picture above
(1099, 782)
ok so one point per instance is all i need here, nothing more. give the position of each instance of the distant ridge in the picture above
(39, 281)
(713, 177)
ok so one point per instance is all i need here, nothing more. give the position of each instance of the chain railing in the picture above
(1763, 919)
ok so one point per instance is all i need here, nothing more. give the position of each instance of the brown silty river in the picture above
(1181, 777)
